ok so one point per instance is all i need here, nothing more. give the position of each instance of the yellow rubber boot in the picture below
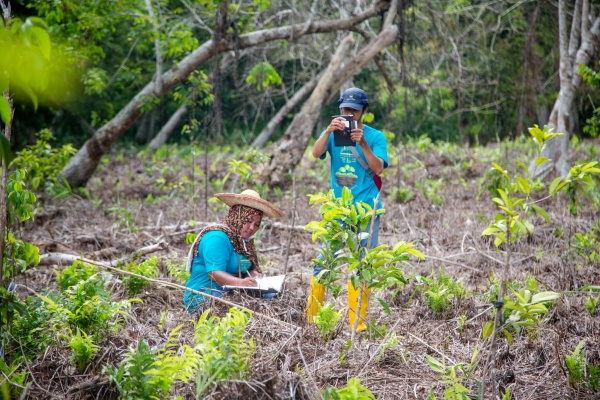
(353, 305)
(316, 294)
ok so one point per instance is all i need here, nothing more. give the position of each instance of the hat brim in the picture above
(268, 209)
(353, 106)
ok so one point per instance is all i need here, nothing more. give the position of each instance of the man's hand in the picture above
(358, 136)
(337, 124)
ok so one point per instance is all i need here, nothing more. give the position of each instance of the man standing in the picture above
(358, 168)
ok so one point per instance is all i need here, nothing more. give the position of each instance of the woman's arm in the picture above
(223, 278)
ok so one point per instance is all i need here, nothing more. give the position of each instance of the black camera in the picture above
(342, 137)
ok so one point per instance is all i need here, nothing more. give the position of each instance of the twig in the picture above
(287, 250)
(379, 347)
(427, 257)
(406, 220)
(285, 344)
(307, 370)
(433, 348)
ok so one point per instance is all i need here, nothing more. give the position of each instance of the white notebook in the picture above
(266, 284)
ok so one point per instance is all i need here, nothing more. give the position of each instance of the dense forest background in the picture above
(462, 72)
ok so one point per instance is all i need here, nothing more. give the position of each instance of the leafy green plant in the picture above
(390, 343)
(524, 311)
(591, 304)
(73, 274)
(353, 391)
(177, 270)
(83, 350)
(431, 190)
(327, 319)
(225, 351)
(575, 364)
(402, 194)
(124, 217)
(147, 268)
(451, 378)
(85, 305)
(149, 374)
(43, 163)
(341, 230)
(440, 289)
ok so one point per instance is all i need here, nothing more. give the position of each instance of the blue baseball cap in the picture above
(353, 98)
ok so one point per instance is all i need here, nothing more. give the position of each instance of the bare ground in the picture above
(291, 360)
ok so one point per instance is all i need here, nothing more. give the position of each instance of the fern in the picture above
(148, 374)
(83, 350)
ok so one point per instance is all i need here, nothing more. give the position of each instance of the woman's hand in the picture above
(255, 274)
(248, 282)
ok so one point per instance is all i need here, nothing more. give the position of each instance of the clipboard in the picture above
(342, 138)
(269, 284)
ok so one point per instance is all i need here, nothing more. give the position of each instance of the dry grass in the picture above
(296, 363)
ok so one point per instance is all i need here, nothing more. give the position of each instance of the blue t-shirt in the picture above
(346, 171)
(215, 253)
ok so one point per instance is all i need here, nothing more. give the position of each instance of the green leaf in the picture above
(435, 364)
(542, 212)
(5, 112)
(554, 184)
(543, 297)
(541, 160)
(385, 305)
(487, 330)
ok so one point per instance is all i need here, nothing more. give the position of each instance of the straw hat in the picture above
(250, 198)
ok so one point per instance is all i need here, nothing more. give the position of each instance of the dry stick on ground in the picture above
(433, 348)
(169, 284)
(308, 370)
(428, 257)
(289, 243)
(379, 347)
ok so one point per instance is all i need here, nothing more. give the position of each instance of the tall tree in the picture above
(576, 48)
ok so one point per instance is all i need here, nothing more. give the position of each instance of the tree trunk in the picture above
(266, 133)
(3, 189)
(585, 29)
(163, 135)
(287, 151)
(82, 166)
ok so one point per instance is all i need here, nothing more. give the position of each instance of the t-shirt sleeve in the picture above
(379, 148)
(216, 251)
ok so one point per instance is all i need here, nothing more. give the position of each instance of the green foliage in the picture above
(225, 352)
(524, 311)
(575, 365)
(390, 343)
(353, 391)
(402, 195)
(32, 328)
(27, 62)
(75, 273)
(431, 190)
(263, 74)
(451, 378)
(592, 124)
(149, 374)
(327, 319)
(85, 305)
(147, 268)
(177, 270)
(587, 246)
(591, 304)
(342, 230)
(440, 289)
(83, 350)
(10, 376)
